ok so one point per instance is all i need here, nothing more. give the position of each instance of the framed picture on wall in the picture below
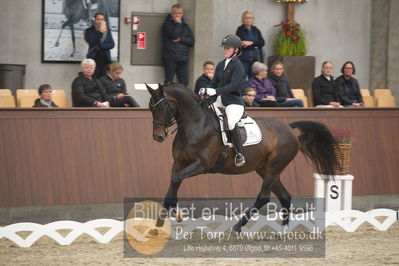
(63, 25)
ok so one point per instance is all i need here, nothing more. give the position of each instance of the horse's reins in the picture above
(172, 119)
(211, 106)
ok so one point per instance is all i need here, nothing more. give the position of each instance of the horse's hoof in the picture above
(237, 228)
(56, 44)
(179, 216)
(152, 233)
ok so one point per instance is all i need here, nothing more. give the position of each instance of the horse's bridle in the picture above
(170, 121)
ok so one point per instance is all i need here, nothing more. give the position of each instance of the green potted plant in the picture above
(291, 40)
(291, 48)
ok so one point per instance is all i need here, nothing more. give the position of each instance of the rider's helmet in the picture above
(231, 41)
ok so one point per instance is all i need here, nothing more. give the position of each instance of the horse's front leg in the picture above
(178, 175)
(57, 42)
(72, 28)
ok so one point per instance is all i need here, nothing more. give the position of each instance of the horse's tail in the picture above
(317, 144)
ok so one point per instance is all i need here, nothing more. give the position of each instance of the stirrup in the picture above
(239, 160)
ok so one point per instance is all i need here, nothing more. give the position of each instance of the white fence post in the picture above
(336, 191)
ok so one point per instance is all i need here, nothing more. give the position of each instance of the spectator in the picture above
(86, 89)
(115, 87)
(265, 92)
(284, 94)
(252, 42)
(226, 87)
(177, 39)
(45, 92)
(325, 92)
(99, 38)
(348, 86)
(205, 79)
(249, 97)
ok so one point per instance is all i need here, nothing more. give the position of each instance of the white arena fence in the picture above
(348, 220)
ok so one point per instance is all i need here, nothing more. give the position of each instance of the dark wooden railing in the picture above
(79, 156)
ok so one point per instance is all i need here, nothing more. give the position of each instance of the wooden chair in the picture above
(7, 101)
(60, 100)
(300, 94)
(58, 92)
(23, 93)
(27, 100)
(382, 92)
(386, 101)
(5, 92)
(368, 101)
(365, 92)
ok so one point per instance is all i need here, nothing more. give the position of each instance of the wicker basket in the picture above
(342, 151)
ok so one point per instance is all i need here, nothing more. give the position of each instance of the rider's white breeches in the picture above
(234, 112)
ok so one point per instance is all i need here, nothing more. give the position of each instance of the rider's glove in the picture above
(207, 91)
(210, 91)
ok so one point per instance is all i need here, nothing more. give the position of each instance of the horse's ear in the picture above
(160, 88)
(150, 90)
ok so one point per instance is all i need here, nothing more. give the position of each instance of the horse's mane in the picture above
(179, 91)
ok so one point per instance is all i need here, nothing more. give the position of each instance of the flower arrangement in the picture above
(344, 136)
(291, 40)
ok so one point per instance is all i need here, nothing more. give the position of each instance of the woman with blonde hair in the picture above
(284, 94)
(252, 42)
(115, 87)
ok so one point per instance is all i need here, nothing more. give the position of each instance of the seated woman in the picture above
(86, 89)
(284, 94)
(115, 87)
(325, 92)
(265, 92)
(348, 86)
(45, 92)
(249, 97)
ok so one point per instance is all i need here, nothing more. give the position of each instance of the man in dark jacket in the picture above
(177, 39)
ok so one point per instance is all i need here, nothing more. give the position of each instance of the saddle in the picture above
(249, 130)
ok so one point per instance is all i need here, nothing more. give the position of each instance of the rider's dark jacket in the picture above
(230, 82)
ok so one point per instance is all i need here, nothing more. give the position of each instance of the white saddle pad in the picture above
(254, 135)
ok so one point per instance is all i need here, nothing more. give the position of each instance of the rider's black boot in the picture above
(236, 140)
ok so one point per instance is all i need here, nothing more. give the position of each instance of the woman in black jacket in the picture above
(325, 91)
(86, 88)
(349, 86)
(252, 42)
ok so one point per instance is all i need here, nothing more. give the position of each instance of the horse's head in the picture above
(162, 113)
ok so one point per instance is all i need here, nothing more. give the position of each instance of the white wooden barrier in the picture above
(115, 227)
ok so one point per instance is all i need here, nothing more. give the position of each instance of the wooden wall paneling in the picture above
(80, 169)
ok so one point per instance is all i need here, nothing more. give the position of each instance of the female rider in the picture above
(226, 86)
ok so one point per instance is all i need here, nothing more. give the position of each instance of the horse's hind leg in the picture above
(269, 176)
(284, 197)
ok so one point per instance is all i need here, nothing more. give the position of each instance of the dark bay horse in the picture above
(197, 147)
(74, 11)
